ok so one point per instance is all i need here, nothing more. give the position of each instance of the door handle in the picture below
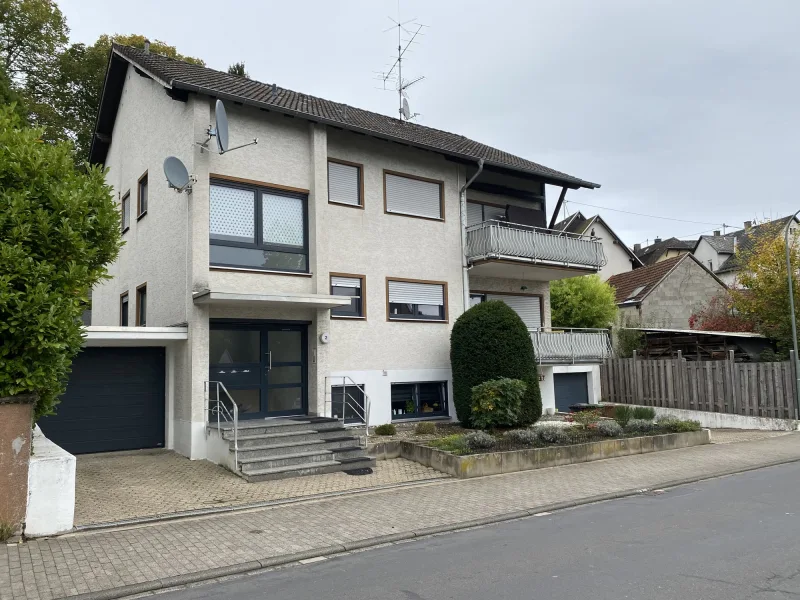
(269, 361)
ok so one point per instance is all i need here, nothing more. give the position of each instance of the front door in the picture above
(263, 367)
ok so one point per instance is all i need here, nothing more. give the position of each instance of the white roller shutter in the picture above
(351, 282)
(527, 307)
(405, 292)
(343, 184)
(413, 197)
(474, 213)
(494, 213)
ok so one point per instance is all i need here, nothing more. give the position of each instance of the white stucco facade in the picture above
(618, 258)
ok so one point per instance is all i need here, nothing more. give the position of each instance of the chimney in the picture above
(657, 241)
(716, 233)
(637, 247)
(147, 46)
(735, 244)
(748, 225)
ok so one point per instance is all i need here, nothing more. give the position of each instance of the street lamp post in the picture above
(794, 321)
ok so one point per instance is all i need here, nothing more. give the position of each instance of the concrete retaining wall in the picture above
(716, 420)
(51, 488)
(494, 463)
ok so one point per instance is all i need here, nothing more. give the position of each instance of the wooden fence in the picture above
(724, 386)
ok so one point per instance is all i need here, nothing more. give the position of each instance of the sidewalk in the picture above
(95, 561)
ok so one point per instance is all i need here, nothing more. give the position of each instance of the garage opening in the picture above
(114, 401)
(570, 388)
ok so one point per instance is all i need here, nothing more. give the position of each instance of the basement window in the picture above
(419, 400)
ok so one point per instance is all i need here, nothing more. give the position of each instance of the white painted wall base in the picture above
(51, 488)
(547, 389)
(714, 420)
(218, 450)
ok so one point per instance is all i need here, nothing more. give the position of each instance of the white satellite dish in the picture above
(221, 129)
(177, 175)
(406, 110)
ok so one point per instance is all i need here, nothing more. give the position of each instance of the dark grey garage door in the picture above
(570, 388)
(114, 401)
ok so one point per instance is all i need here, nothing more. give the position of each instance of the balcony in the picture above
(556, 346)
(499, 249)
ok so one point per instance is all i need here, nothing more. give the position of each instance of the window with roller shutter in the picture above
(413, 196)
(353, 287)
(529, 308)
(416, 300)
(478, 213)
(345, 183)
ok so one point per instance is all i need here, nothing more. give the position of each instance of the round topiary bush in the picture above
(490, 341)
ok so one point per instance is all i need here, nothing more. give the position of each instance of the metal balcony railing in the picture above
(554, 345)
(500, 239)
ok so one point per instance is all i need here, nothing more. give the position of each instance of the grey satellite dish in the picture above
(406, 110)
(221, 127)
(176, 173)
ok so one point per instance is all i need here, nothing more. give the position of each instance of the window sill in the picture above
(346, 318)
(260, 271)
(359, 206)
(141, 215)
(418, 320)
(401, 419)
(399, 214)
(126, 230)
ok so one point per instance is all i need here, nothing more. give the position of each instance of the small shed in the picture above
(695, 344)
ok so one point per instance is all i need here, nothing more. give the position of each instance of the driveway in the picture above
(121, 486)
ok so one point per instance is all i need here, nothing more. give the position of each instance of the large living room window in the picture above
(256, 227)
(419, 400)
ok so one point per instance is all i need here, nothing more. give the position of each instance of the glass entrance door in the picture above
(263, 367)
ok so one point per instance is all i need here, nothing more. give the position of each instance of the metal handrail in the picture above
(571, 345)
(222, 411)
(349, 401)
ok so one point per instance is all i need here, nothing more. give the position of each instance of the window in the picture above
(345, 183)
(343, 284)
(141, 196)
(635, 292)
(478, 213)
(419, 400)
(416, 300)
(123, 309)
(126, 212)
(476, 299)
(256, 227)
(141, 305)
(413, 196)
(528, 307)
(353, 407)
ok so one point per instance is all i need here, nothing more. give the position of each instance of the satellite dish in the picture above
(176, 173)
(221, 127)
(406, 110)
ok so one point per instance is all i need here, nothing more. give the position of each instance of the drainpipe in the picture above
(464, 266)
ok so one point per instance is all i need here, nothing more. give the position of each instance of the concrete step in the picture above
(265, 439)
(273, 450)
(260, 427)
(311, 456)
(332, 466)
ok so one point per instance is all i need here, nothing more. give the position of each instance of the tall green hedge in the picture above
(491, 341)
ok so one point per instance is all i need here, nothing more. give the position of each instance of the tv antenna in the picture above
(177, 175)
(220, 131)
(395, 73)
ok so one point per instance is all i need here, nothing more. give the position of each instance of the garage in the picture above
(570, 388)
(114, 401)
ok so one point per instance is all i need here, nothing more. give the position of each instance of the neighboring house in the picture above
(722, 254)
(662, 250)
(326, 260)
(666, 293)
(619, 258)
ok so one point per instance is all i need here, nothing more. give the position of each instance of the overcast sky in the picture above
(679, 108)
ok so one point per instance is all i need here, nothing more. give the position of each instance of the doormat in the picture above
(364, 471)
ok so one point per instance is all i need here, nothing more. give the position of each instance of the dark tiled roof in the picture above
(747, 239)
(650, 254)
(646, 278)
(184, 76)
(576, 223)
(723, 244)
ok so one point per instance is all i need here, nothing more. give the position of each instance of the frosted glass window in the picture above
(232, 214)
(283, 220)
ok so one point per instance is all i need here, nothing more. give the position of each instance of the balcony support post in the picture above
(554, 218)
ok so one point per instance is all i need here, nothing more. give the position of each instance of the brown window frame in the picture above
(139, 290)
(126, 197)
(424, 281)
(139, 212)
(440, 183)
(361, 196)
(363, 278)
(124, 298)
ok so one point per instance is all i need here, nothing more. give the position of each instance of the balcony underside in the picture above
(532, 270)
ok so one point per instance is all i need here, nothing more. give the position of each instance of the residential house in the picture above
(722, 254)
(326, 264)
(667, 293)
(619, 258)
(662, 250)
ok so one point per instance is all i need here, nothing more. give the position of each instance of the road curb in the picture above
(274, 561)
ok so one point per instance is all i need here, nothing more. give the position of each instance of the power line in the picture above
(628, 212)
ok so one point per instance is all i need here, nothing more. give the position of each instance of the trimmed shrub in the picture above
(640, 426)
(553, 434)
(385, 429)
(584, 418)
(490, 341)
(479, 440)
(497, 402)
(425, 428)
(644, 412)
(523, 437)
(608, 428)
(623, 414)
(675, 425)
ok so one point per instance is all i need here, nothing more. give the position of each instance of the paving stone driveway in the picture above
(129, 485)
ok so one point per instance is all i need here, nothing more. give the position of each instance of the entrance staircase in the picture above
(293, 446)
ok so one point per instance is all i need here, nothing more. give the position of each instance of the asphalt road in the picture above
(731, 538)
